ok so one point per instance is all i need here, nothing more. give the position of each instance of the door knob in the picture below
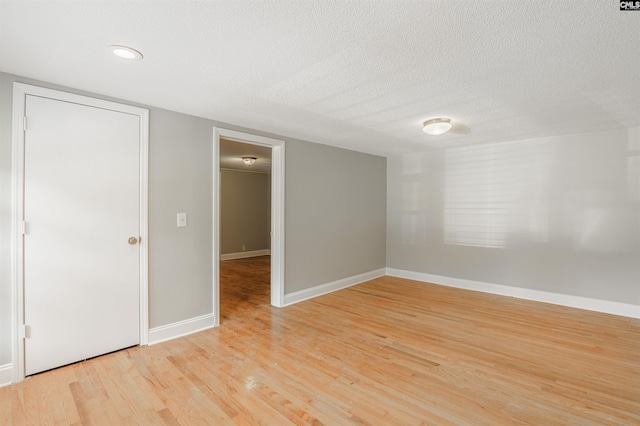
(133, 240)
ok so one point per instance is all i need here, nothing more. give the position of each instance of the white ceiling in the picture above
(356, 74)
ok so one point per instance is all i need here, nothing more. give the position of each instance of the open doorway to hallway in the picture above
(245, 228)
(244, 287)
(277, 249)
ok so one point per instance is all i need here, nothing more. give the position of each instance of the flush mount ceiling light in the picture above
(437, 126)
(125, 52)
(249, 161)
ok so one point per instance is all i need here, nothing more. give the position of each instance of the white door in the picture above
(81, 206)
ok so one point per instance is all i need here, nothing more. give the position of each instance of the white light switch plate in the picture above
(182, 220)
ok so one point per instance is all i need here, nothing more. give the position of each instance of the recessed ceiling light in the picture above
(437, 126)
(126, 52)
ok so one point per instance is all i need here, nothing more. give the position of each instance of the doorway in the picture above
(245, 228)
(79, 228)
(277, 213)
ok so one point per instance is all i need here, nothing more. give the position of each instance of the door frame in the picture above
(277, 212)
(20, 92)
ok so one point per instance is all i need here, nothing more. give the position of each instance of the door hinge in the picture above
(24, 123)
(24, 228)
(26, 333)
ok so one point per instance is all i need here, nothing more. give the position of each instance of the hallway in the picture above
(244, 286)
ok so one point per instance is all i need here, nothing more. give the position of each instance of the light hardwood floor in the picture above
(386, 352)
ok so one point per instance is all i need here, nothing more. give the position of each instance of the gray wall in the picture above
(557, 214)
(180, 180)
(335, 214)
(6, 100)
(326, 237)
(245, 205)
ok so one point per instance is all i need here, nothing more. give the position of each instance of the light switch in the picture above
(182, 220)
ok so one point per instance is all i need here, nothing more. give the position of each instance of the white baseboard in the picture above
(6, 375)
(605, 306)
(243, 254)
(180, 328)
(319, 290)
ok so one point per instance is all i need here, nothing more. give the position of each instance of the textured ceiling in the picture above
(356, 74)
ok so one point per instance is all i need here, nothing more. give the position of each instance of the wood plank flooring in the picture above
(386, 352)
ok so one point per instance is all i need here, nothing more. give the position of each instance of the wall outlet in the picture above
(182, 220)
(244, 248)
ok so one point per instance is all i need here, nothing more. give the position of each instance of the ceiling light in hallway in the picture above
(249, 161)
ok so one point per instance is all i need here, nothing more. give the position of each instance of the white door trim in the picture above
(20, 91)
(277, 212)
